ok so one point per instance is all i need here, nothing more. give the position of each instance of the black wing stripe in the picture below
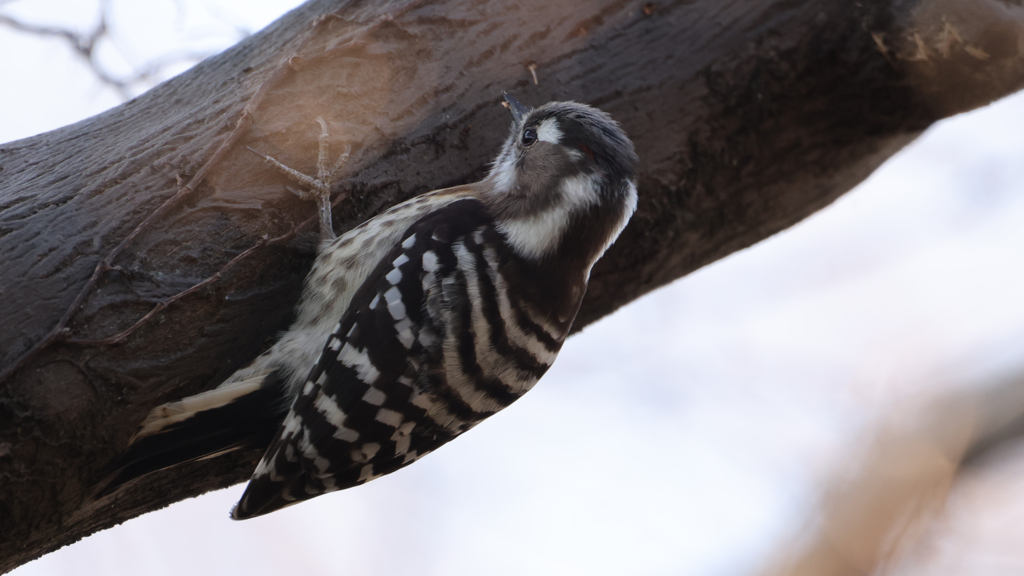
(499, 337)
(526, 322)
(493, 391)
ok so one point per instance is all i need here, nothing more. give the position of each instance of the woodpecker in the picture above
(420, 323)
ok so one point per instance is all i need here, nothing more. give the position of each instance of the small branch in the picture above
(881, 506)
(265, 241)
(121, 336)
(84, 46)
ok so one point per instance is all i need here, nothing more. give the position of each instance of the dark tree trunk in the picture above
(748, 116)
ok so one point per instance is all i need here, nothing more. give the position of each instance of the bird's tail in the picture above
(240, 415)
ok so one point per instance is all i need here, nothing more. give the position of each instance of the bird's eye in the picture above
(529, 136)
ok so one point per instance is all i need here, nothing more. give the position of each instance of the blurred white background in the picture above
(695, 431)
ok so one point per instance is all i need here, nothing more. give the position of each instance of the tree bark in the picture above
(747, 116)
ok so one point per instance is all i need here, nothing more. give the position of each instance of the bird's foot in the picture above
(318, 188)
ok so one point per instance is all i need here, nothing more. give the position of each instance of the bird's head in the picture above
(565, 168)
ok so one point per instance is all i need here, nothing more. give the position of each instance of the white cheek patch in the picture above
(548, 131)
(579, 192)
(536, 235)
(503, 173)
(630, 208)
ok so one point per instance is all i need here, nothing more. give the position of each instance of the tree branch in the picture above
(84, 46)
(748, 116)
(879, 507)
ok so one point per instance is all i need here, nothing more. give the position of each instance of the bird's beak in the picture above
(518, 110)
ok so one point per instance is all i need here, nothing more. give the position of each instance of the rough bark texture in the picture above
(748, 116)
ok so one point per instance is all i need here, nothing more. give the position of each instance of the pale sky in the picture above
(690, 432)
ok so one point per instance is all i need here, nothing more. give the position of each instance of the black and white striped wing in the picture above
(410, 366)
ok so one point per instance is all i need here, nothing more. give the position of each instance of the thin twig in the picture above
(84, 46)
(161, 305)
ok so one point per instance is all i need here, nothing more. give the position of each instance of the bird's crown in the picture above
(560, 161)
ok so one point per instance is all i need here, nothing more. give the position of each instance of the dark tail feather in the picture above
(239, 416)
(272, 500)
